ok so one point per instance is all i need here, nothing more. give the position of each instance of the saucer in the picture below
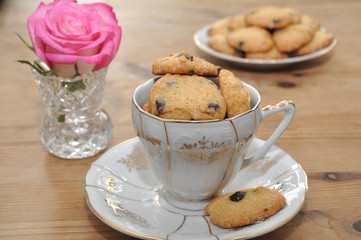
(201, 38)
(121, 190)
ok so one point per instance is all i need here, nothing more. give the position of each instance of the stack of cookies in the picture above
(184, 92)
(268, 32)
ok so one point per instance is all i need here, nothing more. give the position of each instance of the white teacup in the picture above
(196, 159)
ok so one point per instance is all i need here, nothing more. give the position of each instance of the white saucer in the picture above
(201, 38)
(121, 191)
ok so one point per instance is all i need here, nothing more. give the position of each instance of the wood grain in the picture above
(41, 196)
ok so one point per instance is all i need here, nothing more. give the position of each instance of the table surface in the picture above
(41, 196)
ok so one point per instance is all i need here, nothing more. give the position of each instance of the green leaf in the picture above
(38, 68)
(49, 73)
(77, 85)
(26, 44)
(76, 70)
(74, 86)
(61, 118)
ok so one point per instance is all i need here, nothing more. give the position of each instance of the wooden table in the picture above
(41, 196)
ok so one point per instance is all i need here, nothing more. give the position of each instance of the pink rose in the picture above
(64, 33)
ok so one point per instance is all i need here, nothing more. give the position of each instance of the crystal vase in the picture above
(75, 126)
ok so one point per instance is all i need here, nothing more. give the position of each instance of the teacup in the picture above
(196, 159)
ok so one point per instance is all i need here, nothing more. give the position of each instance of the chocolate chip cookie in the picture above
(219, 43)
(294, 14)
(269, 55)
(241, 208)
(320, 40)
(184, 63)
(238, 21)
(293, 37)
(311, 21)
(250, 39)
(235, 93)
(186, 97)
(270, 17)
(146, 106)
(221, 26)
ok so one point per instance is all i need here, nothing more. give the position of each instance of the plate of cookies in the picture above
(266, 37)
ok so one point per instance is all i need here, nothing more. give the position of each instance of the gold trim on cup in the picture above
(231, 160)
(169, 159)
(145, 141)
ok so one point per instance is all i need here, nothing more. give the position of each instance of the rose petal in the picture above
(31, 23)
(105, 11)
(105, 55)
(41, 33)
(108, 52)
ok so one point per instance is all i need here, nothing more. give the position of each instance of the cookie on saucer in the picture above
(241, 208)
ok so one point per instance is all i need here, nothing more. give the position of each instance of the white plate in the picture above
(121, 191)
(201, 40)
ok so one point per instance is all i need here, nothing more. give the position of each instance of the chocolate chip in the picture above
(271, 31)
(241, 43)
(160, 105)
(191, 71)
(240, 53)
(215, 106)
(237, 196)
(276, 21)
(190, 58)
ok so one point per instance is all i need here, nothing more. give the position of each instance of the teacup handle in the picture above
(286, 106)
